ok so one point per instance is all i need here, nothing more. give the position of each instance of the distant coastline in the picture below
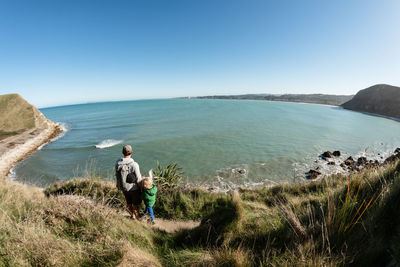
(332, 100)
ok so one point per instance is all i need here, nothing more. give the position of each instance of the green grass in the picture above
(16, 115)
(338, 221)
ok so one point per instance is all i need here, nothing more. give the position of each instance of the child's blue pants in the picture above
(150, 211)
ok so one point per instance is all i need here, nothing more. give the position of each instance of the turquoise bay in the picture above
(224, 143)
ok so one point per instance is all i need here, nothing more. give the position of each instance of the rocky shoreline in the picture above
(350, 165)
(16, 148)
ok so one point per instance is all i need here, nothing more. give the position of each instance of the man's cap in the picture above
(127, 150)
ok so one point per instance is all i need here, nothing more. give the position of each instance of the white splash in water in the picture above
(12, 175)
(108, 143)
(64, 129)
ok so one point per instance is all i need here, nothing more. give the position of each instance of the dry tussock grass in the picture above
(246, 228)
(233, 257)
(25, 238)
(137, 257)
(66, 230)
(191, 258)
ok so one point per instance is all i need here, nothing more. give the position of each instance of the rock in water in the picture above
(326, 154)
(241, 171)
(336, 153)
(362, 161)
(313, 174)
(349, 161)
(392, 158)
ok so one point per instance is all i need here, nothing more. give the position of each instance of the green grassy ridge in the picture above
(381, 99)
(307, 224)
(17, 115)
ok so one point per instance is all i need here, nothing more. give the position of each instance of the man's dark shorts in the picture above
(132, 197)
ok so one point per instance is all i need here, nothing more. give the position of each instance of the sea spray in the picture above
(108, 143)
(64, 127)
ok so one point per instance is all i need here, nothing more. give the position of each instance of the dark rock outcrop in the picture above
(381, 99)
(336, 153)
(362, 161)
(326, 154)
(312, 174)
(241, 171)
(393, 157)
(349, 161)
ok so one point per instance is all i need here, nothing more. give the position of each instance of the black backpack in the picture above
(131, 178)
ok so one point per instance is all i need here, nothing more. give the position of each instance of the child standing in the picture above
(149, 196)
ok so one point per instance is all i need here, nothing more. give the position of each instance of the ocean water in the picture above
(220, 143)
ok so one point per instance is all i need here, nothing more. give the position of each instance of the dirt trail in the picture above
(174, 226)
(169, 226)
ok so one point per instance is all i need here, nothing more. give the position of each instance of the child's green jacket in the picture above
(149, 196)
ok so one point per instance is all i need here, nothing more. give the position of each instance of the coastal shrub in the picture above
(168, 177)
(375, 241)
(346, 209)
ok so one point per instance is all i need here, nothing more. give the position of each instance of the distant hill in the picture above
(335, 100)
(381, 99)
(17, 115)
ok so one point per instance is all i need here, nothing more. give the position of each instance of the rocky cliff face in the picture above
(381, 99)
(17, 116)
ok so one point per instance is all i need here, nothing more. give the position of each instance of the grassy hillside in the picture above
(379, 99)
(340, 220)
(17, 115)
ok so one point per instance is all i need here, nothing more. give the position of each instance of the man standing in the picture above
(128, 178)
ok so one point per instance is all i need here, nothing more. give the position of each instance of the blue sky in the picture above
(61, 52)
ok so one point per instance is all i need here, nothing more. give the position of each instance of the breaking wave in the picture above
(108, 143)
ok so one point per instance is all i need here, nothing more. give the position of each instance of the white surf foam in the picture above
(64, 129)
(12, 175)
(108, 143)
